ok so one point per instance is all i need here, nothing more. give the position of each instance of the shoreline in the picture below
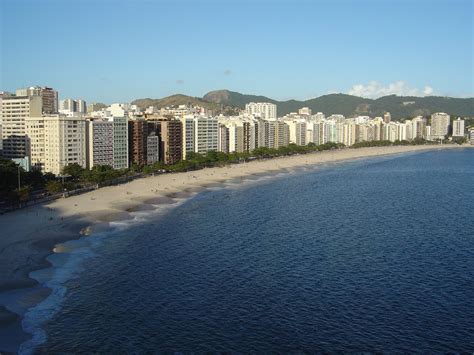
(31, 234)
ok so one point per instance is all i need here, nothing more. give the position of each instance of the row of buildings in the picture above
(39, 132)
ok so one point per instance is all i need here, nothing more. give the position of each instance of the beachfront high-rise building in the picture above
(297, 131)
(100, 138)
(171, 141)
(56, 141)
(237, 135)
(350, 133)
(263, 110)
(391, 131)
(440, 123)
(387, 118)
(206, 134)
(250, 136)
(152, 148)
(428, 132)
(120, 143)
(107, 142)
(153, 141)
(137, 138)
(34, 130)
(223, 145)
(458, 128)
(366, 132)
(65, 142)
(15, 111)
(282, 134)
(187, 122)
(418, 127)
(312, 132)
(200, 134)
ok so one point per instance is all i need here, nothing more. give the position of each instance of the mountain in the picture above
(399, 106)
(348, 105)
(179, 99)
(232, 98)
(175, 100)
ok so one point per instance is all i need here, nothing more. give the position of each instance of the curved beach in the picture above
(30, 234)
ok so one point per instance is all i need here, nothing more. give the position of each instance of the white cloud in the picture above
(428, 90)
(375, 89)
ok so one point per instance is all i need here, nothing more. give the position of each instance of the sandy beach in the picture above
(30, 234)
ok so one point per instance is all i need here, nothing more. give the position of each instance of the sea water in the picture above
(370, 255)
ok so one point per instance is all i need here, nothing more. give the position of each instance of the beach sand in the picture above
(29, 235)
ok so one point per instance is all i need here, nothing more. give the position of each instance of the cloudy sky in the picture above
(112, 51)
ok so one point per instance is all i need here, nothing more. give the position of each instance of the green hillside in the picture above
(348, 105)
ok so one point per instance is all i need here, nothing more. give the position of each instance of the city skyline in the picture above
(122, 51)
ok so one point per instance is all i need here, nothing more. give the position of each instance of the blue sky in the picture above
(113, 51)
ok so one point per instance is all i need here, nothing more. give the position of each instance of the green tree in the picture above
(75, 170)
(54, 186)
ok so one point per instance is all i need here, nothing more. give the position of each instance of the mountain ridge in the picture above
(347, 105)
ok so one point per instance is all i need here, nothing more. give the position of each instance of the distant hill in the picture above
(348, 105)
(178, 99)
(232, 98)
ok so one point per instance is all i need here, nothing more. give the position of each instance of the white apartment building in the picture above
(390, 131)
(349, 133)
(223, 138)
(458, 128)
(70, 105)
(206, 134)
(64, 142)
(35, 137)
(121, 158)
(56, 141)
(440, 123)
(318, 116)
(330, 133)
(237, 135)
(200, 134)
(315, 132)
(305, 111)
(15, 111)
(188, 134)
(428, 133)
(366, 132)
(81, 106)
(297, 131)
(264, 110)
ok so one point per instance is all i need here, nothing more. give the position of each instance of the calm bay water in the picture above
(373, 255)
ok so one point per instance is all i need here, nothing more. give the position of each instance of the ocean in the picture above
(370, 255)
